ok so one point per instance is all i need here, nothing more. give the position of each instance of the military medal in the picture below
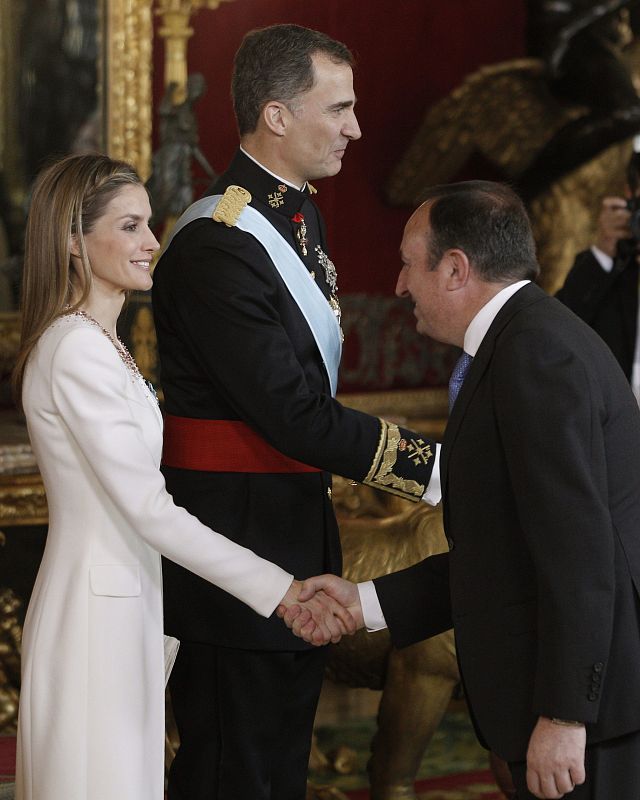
(276, 199)
(330, 274)
(301, 233)
(331, 277)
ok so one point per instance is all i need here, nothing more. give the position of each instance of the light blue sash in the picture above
(304, 290)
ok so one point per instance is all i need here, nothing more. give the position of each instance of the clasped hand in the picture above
(322, 609)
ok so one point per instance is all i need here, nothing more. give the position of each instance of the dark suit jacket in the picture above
(233, 345)
(607, 301)
(541, 477)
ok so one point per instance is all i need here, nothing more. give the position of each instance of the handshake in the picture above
(322, 609)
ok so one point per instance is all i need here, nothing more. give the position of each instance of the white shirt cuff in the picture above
(433, 495)
(605, 261)
(371, 610)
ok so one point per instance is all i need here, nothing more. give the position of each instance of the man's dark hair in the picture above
(275, 63)
(489, 222)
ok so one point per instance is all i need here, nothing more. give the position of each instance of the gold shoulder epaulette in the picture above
(231, 204)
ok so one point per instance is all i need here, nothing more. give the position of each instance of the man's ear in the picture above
(275, 116)
(458, 269)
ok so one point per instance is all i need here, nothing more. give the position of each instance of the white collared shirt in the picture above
(481, 323)
(277, 177)
(372, 611)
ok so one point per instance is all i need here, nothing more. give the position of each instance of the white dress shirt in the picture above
(277, 177)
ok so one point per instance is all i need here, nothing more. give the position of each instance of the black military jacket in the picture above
(234, 345)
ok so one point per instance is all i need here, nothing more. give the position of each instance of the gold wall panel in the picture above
(127, 71)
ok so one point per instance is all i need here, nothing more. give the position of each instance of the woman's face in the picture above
(121, 245)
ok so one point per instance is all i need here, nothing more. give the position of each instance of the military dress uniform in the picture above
(252, 437)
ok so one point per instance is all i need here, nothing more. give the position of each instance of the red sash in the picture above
(220, 445)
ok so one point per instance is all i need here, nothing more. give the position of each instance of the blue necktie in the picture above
(457, 377)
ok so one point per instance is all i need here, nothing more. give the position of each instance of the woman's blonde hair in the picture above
(68, 198)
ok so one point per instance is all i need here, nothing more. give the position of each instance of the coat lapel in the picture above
(525, 297)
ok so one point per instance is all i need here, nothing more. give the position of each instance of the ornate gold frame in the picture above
(127, 69)
(126, 78)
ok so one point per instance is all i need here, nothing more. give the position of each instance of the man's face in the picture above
(426, 287)
(321, 123)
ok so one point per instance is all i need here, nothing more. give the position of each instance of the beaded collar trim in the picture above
(121, 349)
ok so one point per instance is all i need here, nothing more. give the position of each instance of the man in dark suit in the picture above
(247, 316)
(602, 287)
(540, 473)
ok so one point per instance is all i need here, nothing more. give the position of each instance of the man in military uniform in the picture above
(247, 315)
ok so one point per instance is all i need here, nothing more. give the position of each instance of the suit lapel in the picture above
(522, 299)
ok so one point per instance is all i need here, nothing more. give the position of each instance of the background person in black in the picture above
(249, 406)
(602, 285)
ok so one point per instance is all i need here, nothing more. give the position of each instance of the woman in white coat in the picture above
(91, 721)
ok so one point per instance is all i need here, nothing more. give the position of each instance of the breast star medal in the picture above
(331, 277)
(330, 273)
(301, 232)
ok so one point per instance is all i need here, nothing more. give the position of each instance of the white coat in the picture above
(91, 719)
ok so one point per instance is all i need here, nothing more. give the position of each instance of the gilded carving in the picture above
(503, 111)
(176, 32)
(9, 341)
(324, 793)
(10, 640)
(563, 217)
(187, 7)
(382, 533)
(127, 78)
(22, 500)
(507, 114)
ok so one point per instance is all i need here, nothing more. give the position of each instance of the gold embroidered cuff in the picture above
(396, 459)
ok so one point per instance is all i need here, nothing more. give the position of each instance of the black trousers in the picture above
(245, 720)
(612, 772)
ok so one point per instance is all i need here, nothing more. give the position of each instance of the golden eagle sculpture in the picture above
(510, 117)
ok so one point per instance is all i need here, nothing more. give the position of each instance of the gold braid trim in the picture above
(231, 205)
(380, 474)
